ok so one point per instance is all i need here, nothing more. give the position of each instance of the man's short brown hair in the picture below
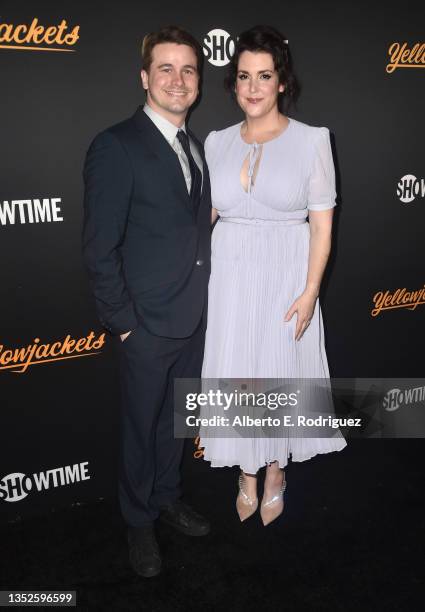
(169, 34)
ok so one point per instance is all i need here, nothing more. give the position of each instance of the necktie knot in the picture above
(184, 140)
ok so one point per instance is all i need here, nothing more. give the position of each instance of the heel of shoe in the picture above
(245, 505)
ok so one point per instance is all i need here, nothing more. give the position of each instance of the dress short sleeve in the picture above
(209, 146)
(321, 190)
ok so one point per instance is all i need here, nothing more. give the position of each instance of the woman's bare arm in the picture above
(320, 247)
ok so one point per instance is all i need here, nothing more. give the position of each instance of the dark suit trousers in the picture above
(150, 455)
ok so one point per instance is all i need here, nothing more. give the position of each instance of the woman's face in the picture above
(257, 83)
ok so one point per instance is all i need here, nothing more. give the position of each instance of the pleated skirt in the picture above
(258, 270)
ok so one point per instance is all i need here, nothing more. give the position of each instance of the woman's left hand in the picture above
(304, 307)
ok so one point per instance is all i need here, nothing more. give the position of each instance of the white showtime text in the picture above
(46, 210)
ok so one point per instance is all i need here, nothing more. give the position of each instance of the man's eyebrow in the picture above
(171, 66)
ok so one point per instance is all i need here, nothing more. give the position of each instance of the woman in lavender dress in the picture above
(269, 173)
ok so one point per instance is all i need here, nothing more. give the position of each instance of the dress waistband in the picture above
(263, 222)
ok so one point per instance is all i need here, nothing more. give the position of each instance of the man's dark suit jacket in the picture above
(147, 252)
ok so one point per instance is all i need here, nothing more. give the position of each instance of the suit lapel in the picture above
(165, 153)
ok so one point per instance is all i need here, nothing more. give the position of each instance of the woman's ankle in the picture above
(274, 476)
(250, 483)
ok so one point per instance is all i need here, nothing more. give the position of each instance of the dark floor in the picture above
(350, 538)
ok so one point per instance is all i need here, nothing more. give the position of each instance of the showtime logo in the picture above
(409, 187)
(15, 487)
(46, 210)
(395, 398)
(218, 47)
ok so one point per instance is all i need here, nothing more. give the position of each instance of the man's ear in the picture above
(145, 77)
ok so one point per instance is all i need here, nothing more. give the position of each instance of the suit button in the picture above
(199, 262)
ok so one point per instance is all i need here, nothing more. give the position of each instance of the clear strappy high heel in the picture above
(273, 508)
(245, 505)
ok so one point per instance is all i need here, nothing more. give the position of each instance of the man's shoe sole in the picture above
(149, 573)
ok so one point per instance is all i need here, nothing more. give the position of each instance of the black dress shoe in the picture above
(143, 549)
(181, 516)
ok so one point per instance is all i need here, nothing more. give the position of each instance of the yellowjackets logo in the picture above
(37, 37)
(19, 359)
(199, 452)
(402, 56)
(400, 298)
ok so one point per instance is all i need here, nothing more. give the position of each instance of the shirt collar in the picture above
(167, 129)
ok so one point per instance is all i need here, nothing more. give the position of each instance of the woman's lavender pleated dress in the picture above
(260, 249)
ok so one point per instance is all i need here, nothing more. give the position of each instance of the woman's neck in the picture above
(257, 129)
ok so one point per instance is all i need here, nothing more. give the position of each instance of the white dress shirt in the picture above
(169, 131)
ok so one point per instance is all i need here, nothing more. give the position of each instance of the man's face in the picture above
(172, 81)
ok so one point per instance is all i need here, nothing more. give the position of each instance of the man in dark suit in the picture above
(147, 249)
